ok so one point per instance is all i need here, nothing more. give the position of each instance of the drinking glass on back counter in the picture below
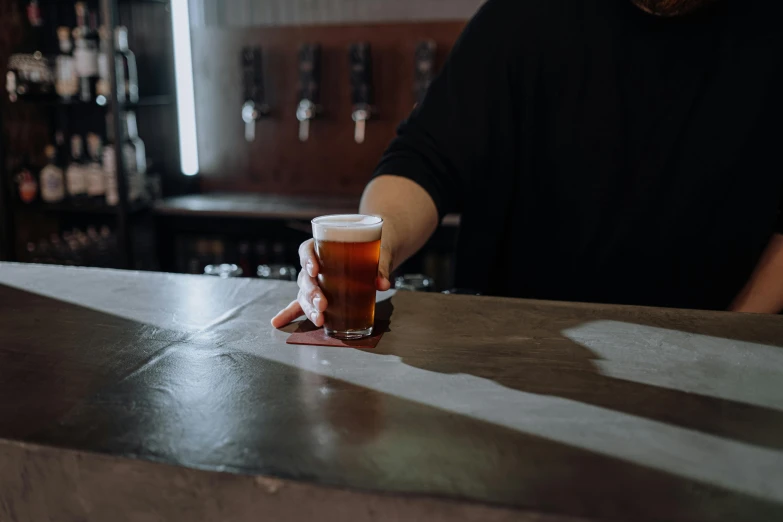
(348, 248)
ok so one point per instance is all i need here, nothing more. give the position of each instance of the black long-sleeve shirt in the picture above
(599, 153)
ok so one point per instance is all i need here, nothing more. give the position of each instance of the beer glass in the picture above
(348, 248)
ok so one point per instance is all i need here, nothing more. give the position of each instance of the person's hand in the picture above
(310, 301)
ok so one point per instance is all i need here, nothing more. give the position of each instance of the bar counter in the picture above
(145, 396)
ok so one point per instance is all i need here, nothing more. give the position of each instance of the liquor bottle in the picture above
(52, 179)
(110, 165)
(139, 148)
(86, 60)
(26, 183)
(96, 180)
(76, 173)
(85, 54)
(103, 87)
(86, 21)
(127, 74)
(66, 80)
(135, 157)
(29, 70)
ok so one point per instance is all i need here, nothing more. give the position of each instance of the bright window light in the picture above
(186, 103)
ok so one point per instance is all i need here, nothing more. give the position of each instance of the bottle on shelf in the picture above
(86, 42)
(86, 60)
(26, 183)
(52, 179)
(127, 74)
(86, 20)
(76, 173)
(96, 180)
(135, 157)
(29, 73)
(103, 87)
(92, 19)
(66, 79)
(75, 247)
(110, 164)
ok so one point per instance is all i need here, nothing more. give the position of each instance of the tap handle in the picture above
(361, 75)
(253, 77)
(310, 73)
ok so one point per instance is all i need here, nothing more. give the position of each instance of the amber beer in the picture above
(348, 249)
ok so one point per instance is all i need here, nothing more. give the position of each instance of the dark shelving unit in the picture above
(80, 208)
(146, 101)
(149, 24)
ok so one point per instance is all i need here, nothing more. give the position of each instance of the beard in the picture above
(670, 7)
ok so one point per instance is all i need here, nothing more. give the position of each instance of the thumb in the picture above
(384, 269)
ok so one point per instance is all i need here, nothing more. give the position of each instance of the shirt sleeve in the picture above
(443, 142)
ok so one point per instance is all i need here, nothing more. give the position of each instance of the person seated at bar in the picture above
(609, 151)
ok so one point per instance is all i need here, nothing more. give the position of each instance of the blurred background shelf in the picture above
(145, 101)
(81, 208)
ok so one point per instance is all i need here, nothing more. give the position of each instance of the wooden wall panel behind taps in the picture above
(277, 162)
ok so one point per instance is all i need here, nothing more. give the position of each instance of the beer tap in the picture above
(309, 87)
(361, 87)
(255, 105)
(425, 68)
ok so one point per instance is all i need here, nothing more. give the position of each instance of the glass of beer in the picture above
(348, 249)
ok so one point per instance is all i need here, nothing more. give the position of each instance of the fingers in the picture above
(287, 315)
(308, 259)
(384, 269)
(311, 299)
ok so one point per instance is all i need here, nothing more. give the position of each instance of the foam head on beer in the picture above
(347, 228)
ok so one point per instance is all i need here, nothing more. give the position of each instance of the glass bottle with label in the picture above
(86, 60)
(66, 79)
(103, 87)
(52, 179)
(110, 165)
(76, 173)
(127, 74)
(30, 73)
(96, 180)
(135, 157)
(86, 21)
(85, 54)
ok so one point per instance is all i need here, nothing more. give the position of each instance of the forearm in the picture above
(408, 212)
(764, 291)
